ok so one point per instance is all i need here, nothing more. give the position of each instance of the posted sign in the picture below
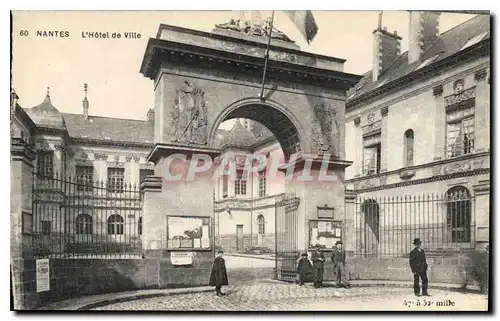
(42, 275)
(181, 258)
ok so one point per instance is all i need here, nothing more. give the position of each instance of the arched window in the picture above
(139, 226)
(458, 208)
(409, 137)
(262, 224)
(115, 225)
(83, 224)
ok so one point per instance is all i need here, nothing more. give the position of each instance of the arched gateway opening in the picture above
(275, 118)
(202, 79)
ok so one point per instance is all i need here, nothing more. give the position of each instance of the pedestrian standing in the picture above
(304, 269)
(418, 265)
(338, 259)
(318, 259)
(218, 276)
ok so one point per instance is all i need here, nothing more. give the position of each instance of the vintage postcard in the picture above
(250, 160)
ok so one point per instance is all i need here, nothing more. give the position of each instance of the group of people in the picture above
(311, 268)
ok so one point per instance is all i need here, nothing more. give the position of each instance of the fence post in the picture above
(349, 234)
(22, 265)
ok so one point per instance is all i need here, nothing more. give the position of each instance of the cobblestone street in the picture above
(272, 296)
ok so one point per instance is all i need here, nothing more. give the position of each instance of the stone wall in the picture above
(79, 277)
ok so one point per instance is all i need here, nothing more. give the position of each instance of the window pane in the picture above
(116, 180)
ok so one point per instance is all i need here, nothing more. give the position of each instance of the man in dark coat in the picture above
(304, 269)
(218, 277)
(318, 259)
(338, 259)
(418, 265)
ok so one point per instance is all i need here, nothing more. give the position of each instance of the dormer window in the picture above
(472, 41)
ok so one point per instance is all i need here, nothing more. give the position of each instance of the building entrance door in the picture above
(239, 238)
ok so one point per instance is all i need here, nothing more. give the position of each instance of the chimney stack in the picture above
(386, 49)
(424, 30)
(151, 115)
(85, 103)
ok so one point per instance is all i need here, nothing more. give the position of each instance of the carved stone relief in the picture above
(189, 116)
(357, 121)
(437, 91)
(136, 159)
(384, 111)
(480, 75)
(370, 118)
(100, 156)
(457, 168)
(326, 131)
(128, 158)
(459, 97)
(255, 29)
(372, 127)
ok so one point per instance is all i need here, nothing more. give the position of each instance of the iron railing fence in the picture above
(287, 238)
(387, 226)
(76, 218)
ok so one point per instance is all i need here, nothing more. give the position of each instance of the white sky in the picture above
(111, 67)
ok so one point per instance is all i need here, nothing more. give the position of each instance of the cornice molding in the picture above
(420, 166)
(110, 143)
(425, 180)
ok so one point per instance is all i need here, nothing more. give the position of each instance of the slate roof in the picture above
(448, 43)
(238, 137)
(110, 129)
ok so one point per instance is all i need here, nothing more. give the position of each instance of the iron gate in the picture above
(286, 247)
(77, 218)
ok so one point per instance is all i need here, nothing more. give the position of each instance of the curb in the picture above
(124, 298)
(136, 297)
(251, 256)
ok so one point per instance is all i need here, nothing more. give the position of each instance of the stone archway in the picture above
(202, 79)
(284, 126)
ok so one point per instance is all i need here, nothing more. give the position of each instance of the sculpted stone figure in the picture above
(189, 116)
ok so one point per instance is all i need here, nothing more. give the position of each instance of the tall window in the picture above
(458, 208)
(84, 178)
(225, 184)
(83, 224)
(145, 172)
(139, 226)
(115, 225)
(240, 185)
(45, 163)
(460, 137)
(409, 147)
(371, 159)
(116, 179)
(262, 184)
(262, 224)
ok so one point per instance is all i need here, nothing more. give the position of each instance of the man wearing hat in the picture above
(218, 276)
(318, 259)
(418, 265)
(338, 259)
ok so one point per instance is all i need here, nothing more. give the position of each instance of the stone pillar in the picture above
(314, 190)
(482, 213)
(440, 124)
(349, 231)
(152, 239)
(358, 164)
(482, 112)
(384, 147)
(21, 225)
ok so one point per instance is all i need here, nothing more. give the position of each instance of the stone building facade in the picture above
(419, 124)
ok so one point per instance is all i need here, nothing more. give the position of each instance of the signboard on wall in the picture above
(42, 275)
(181, 258)
(325, 212)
